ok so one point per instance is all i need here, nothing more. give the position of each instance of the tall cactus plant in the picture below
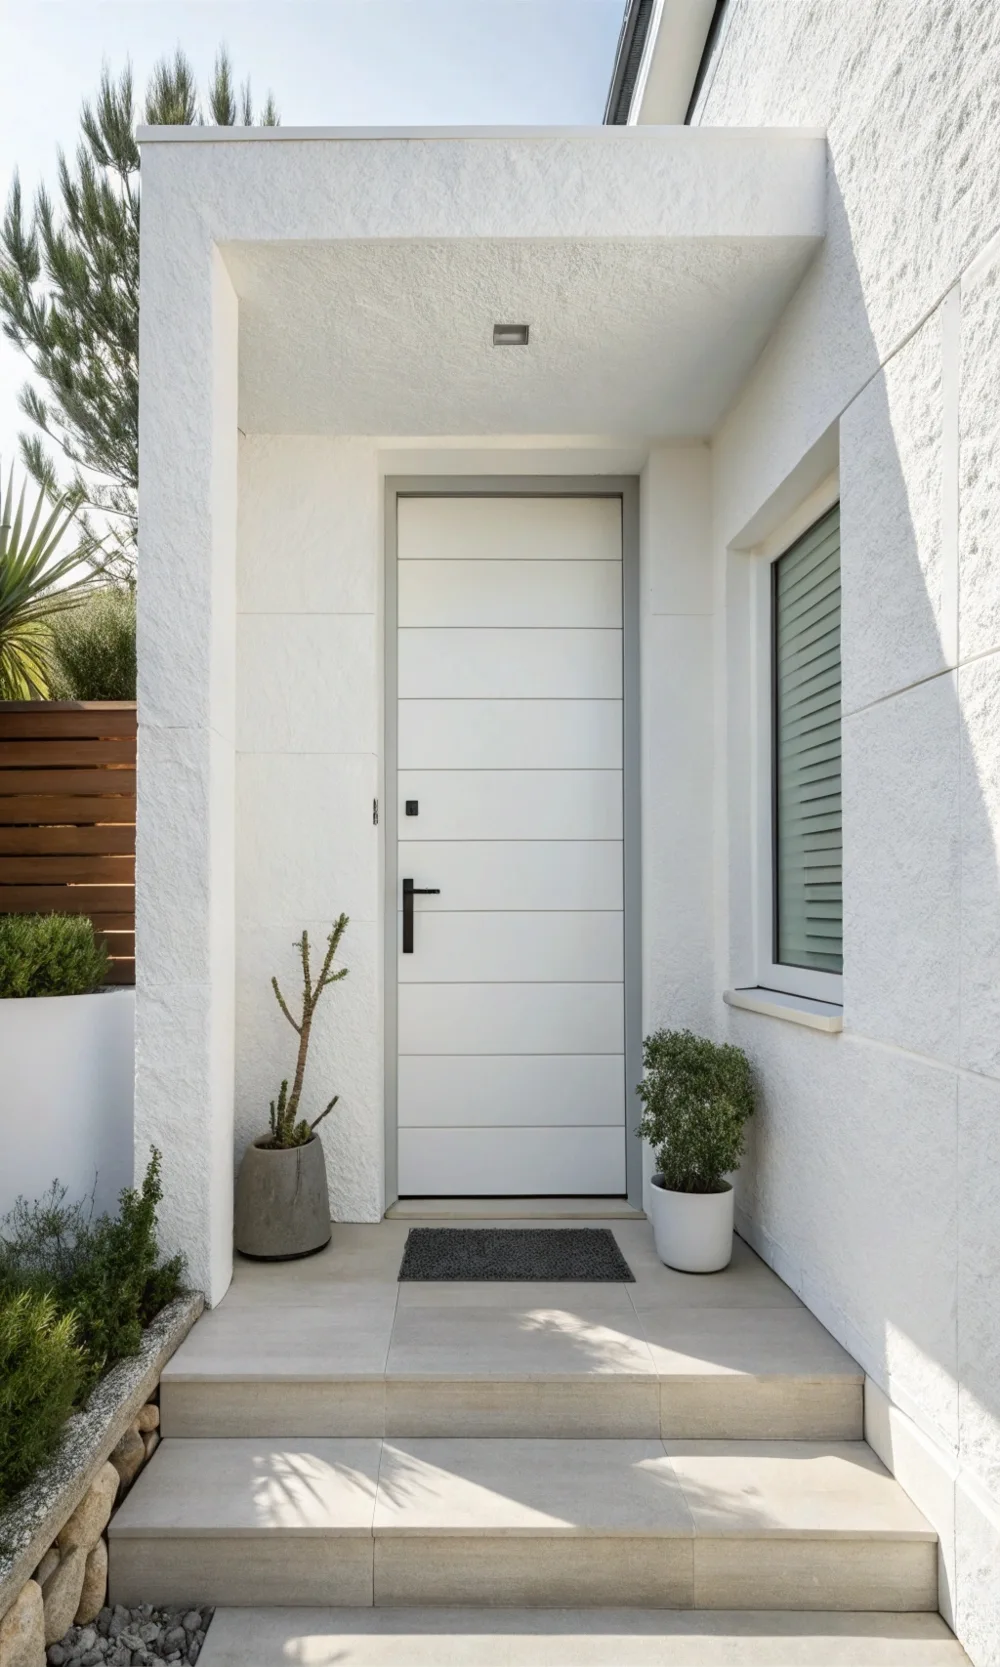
(287, 1129)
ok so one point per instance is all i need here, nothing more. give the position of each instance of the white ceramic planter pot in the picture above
(693, 1231)
(66, 1086)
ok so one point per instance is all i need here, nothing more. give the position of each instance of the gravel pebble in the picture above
(139, 1637)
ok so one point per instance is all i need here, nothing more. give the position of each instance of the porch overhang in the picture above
(347, 284)
(370, 268)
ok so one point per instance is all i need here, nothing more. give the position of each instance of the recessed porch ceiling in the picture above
(629, 336)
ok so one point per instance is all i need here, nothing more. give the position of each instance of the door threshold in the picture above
(513, 1209)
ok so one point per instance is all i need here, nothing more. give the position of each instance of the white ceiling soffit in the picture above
(674, 46)
(395, 337)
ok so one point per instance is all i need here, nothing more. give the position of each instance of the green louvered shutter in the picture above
(808, 829)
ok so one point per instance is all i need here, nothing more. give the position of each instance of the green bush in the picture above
(696, 1096)
(50, 955)
(41, 1374)
(107, 1273)
(119, 1282)
(94, 647)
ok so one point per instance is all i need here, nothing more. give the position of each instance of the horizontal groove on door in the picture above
(516, 874)
(490, 1090)
(512, 804)
(457, 1163)
(510, 1018)
(505, 528)
(511, 734)
(514, 1124)
(497, 593)
(573, 946)
(483, 662)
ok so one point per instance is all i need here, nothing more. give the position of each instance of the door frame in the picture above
(625, 488)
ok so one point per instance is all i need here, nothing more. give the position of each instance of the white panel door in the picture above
(511, 1002)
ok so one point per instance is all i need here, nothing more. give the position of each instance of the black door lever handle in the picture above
(410, 891)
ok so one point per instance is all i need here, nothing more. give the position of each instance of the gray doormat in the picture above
(496, 1253)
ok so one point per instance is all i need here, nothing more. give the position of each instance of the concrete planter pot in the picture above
(282, 1202)
(693, 1231)
(66, 1074)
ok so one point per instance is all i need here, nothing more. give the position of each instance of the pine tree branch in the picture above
(69, 286)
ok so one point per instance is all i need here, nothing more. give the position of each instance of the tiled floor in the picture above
(688, 1442)
(342, 1312)
(675, 1355)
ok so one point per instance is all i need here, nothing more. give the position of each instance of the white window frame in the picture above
(772, 975)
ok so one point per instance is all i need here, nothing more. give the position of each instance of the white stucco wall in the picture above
(186, 757)
(676, 648)
(873, 1183)
(308, 756)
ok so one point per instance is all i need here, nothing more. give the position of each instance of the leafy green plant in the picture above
(119, 1281)
(108, 1273)
(35, 586)
(39, 1240)
(696, 1097)
(75, 1296)
(50, 955)
(287, 1129)
(94, 647)
(41, 1374)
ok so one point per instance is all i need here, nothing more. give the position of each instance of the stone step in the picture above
(482, 1361)
(574, 1638)
(522, 1523)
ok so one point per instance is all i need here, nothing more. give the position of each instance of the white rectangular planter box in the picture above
(66, 1090)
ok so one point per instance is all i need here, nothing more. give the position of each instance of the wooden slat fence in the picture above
(67, 816)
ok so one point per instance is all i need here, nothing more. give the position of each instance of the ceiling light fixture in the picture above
(510, 335)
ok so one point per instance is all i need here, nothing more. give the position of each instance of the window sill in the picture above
(798, 1010)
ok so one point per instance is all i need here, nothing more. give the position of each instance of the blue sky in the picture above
(328, 62)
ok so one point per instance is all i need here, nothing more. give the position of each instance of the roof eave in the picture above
(662, 52)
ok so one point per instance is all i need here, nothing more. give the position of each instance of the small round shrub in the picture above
(696, 1096)
(50, 955)
(94, 647)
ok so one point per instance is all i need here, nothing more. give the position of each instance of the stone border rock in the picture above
(29, 1527)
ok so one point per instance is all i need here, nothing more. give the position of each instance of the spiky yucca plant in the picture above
(287, 1129)
(35, 584)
